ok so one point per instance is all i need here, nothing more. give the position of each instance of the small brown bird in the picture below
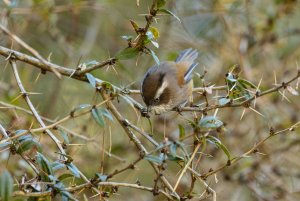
(169, 85)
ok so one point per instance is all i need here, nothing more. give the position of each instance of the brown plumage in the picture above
(169, 84)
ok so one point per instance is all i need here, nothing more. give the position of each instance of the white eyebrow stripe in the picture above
(161, 89)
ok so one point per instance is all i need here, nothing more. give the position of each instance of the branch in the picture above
(3, 131)
(246, 102)
(27, 47)
(149, 18)
(254, 149)
(38, 118)
(124, 123)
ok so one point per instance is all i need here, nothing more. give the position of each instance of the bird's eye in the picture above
(156, 100)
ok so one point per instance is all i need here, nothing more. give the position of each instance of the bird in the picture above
(169, 85)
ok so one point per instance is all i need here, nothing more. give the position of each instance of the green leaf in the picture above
(18, 132)
(102, 177)
(56, 165)
(65, 176)
(175, 158)
(81, 109)
(150, 35)
(155, 44)
(65, 136)
(210, 122)
(4, 144)
(230, 77)
(182, 148)
(106, 113)
(91, 79)
(224, 101)
(154, 159)
(66, 196)
(98, 117)
(155, 32)
(28, 144)
(23, 138)
(181, 131)
(45, 166)
(173, 149)
(246, 83)
(127, 38)
(161, 3)
(73, 169)
(134, 25)
(6, 186)
(154, 57)
(169, 13)
(91, 63)
(127, 53)
(219, 144)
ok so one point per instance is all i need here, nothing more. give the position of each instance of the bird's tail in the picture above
(188, 55)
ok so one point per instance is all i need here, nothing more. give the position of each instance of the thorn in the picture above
(275, 78)
(283, 96)
(243, 114)
(256, 111)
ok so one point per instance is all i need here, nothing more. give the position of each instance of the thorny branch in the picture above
(80, 74)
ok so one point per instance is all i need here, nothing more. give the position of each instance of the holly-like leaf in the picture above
(127, 38)
(210, 122)
(6, 186)
(91, 79)
(65, 136)
(127, 53)
(181, 131)
(65, 176)
(219, 144)
(81, 109)
(56, 165)
(73, 169)
(154, 159)
(45, 166)
(247, 83)
(161, 3)
(102, 177)
(175, 158)
(169, 13)
(134, 25)
(106, 113)
(173, 149)
(224, 101)
(27, 144)
(4, 144)
(91, 63)
(155, 44)
(155, 32)
(154, 57)
(66, 196)
(98, 117)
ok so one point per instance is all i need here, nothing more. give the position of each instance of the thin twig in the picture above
(27, 47)
(38, 118)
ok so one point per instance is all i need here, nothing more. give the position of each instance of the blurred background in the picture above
(262, 37)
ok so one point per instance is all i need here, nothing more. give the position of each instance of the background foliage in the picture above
(261, 37)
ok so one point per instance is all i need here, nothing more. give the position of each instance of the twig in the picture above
(254, 149)
(3, 131)
(38, 118)
(186, 166)
(27, 47)
(124, 123)
(246, 102)
(102, 64)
